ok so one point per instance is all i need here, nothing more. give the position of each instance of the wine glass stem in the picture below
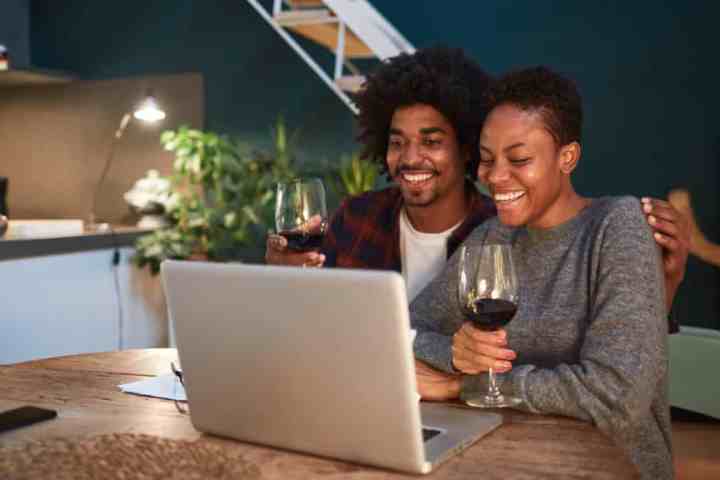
(493, 390)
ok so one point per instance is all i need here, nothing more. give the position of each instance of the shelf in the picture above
(32, 77)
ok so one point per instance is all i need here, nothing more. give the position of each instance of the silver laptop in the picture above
(314, 360)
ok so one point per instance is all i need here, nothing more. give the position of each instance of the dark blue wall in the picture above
(251, 76)
(15, 30)
(647, 70)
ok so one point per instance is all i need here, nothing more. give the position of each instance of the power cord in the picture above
(116, 280)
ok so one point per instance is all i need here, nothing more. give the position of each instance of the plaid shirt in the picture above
(365, 231)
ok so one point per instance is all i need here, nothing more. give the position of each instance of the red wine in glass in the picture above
(488, 295)
(303, 242)
(490, 314)
(301, 214)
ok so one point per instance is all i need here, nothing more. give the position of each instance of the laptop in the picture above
(312, 360)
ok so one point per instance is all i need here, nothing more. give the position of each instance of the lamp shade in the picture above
(149, 110)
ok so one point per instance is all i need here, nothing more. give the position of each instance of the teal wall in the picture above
(647, 70)
(15, 30)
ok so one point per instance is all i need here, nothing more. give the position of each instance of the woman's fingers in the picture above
(476, 351)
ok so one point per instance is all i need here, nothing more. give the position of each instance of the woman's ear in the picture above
(569, 157)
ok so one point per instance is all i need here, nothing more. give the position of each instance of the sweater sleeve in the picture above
(436, 315)
(623, 356)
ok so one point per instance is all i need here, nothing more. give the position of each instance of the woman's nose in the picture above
(497, 172)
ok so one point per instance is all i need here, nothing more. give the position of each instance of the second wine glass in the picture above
(488, 295)
(301, 213)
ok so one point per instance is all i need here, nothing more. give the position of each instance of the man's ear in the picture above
(569, 157)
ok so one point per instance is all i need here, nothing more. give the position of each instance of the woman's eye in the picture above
(395, 143)
(519, 161)
(485, 161)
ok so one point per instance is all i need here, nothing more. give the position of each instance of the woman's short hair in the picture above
(444, 78)
(554, 97)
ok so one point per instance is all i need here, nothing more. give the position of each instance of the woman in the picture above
(589, 337)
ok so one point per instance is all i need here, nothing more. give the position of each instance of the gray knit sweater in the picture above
(590, 331)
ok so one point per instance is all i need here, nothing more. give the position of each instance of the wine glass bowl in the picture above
(488, 296)
(301, 213)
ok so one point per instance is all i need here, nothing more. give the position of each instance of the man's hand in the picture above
(475, 351)
(277, 253)
(672, 233)
(434, 384)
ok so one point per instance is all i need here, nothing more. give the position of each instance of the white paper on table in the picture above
(163, 386)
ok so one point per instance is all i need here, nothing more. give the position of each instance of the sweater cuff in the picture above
(518, 379)
(435, 350)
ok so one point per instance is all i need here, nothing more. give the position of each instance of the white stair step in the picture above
(326, 33)
(304, 3)
(288, 18)
(350, 83)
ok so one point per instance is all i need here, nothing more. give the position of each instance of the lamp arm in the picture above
(124, 121)
(123, 125)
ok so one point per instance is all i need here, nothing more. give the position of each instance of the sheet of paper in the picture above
(163, 386)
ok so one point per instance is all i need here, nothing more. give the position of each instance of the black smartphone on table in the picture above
(23, 416)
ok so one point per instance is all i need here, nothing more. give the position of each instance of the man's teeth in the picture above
(507, 197)
(416, 177)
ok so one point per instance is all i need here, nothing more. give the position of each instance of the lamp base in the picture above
(93, 227)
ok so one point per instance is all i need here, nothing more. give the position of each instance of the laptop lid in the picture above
(315, 360)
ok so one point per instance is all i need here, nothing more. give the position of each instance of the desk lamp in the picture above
(147, 111)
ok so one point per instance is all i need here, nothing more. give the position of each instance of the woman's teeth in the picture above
(507, 197)
(416, 177)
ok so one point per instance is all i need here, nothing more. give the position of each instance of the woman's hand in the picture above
(475, 351)
(672, 233)
(434, 384)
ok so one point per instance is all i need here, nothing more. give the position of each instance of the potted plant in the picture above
(222, 197)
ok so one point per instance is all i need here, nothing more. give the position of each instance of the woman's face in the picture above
(527, 174)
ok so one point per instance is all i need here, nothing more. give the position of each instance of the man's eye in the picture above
(431, 142)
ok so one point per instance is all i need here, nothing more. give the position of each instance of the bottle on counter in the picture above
(4, 59)
(3, 196)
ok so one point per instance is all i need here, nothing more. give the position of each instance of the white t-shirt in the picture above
(423, 255)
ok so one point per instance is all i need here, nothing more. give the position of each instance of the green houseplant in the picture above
(222, 196)
(353, 176)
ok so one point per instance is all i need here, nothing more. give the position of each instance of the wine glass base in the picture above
(485, 401)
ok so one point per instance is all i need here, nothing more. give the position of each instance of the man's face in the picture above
(423, 155)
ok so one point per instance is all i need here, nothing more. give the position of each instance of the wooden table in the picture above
(83, 389)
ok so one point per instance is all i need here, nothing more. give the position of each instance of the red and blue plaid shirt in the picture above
(365, 231)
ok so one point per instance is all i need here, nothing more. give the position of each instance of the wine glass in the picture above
(488, 295)
(301, 213)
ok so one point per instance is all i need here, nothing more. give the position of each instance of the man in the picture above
(420, 118)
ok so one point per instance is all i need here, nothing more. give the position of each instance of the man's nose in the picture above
(412, 155)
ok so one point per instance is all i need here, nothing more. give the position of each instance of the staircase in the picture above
(351, 29)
